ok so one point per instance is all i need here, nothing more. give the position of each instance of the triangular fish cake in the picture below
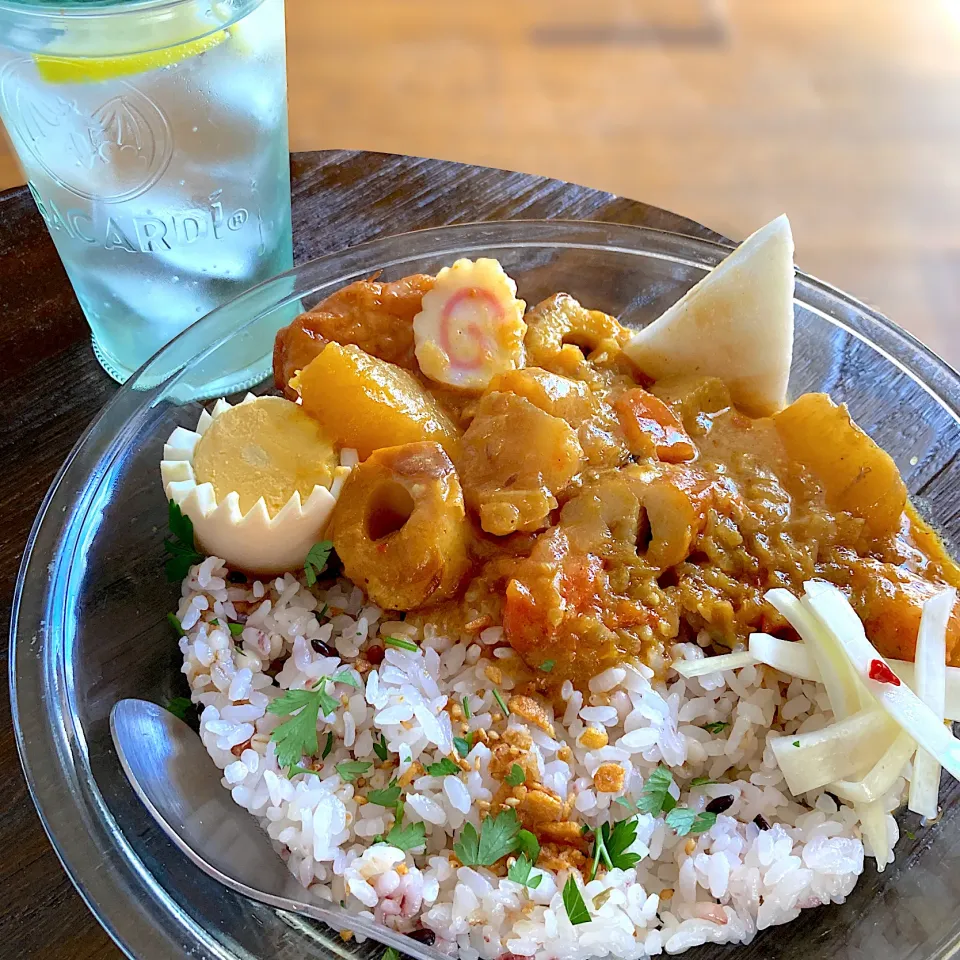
(735, 324)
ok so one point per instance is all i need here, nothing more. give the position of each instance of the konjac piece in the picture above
(377, 317)
(515, 459)
(367, 403)
(400, 527)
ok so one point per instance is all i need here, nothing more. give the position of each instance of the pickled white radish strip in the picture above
(931, 688)
(795, 660)
(471, 325)
(873, 822)
(896, 699)
(843, 689)
(787, 656)
(883, 775)
(726, 661)
(845, 750)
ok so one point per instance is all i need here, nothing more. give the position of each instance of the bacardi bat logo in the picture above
(108, 151)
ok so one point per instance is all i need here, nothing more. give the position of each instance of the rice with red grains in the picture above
(768, 856)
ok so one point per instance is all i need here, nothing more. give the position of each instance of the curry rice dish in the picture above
(524, 633)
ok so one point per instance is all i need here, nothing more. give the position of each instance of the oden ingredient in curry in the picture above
(593, 514)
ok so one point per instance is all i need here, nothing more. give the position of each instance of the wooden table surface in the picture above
(54, 387)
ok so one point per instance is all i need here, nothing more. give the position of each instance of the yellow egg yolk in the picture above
(266, 448)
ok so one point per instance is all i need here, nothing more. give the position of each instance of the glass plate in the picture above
(88, 625)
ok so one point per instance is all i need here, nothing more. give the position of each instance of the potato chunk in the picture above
(857, 476)
(515, 460)
(400, 527)
(367, 403)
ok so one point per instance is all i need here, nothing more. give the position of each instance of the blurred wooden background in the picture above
(843, 113)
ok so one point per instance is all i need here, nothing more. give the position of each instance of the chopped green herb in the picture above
(316, 561)
(297, 737)
(175, 623)
(464, 744)
(180, 546)
(387, 797)
(497, 838)
(323, 611)
(718, 726)
(910, 834)
(796, 743)
(443, 768)
(519, 872)
(528, 845)
(400, 643)
(701, 781)
(179, 707)
(684, 820)
(349, 770)
(501, 702)
(390, 954)
(612, 843)
(655, 797)
(628, 803)
(380, 748)
(466, 708)
(516, 776)
(577, 911)
(214, 622)
(345, 676)
(407, 838)
(548, 665)
(327, 747)
(235, 629)
(297, 769)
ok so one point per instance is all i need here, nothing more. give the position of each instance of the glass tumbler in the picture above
(153, 135)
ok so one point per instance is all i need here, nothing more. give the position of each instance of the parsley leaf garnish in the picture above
(516, 776)
(235, 629)
(684, 821)
(349, 770)
(297, 737)
(316, 561)
(345, 676)
(718, 726)
(519, 872)
(628, 803)
(327, 747)
(175, 623)
(573, 903)
(380, 748)
(390, 954)
(656, 797)
(463, 744)
(298, 769)
(701, 781)
(497, 838)
(443, 768)
(407, 838)
(528, 845)
(179, 706)
(548, 665)
(610, 845)
(180, 546)
(387, 797)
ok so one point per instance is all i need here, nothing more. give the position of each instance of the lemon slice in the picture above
(97, 69)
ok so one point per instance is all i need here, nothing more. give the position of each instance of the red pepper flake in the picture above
(881, 672)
